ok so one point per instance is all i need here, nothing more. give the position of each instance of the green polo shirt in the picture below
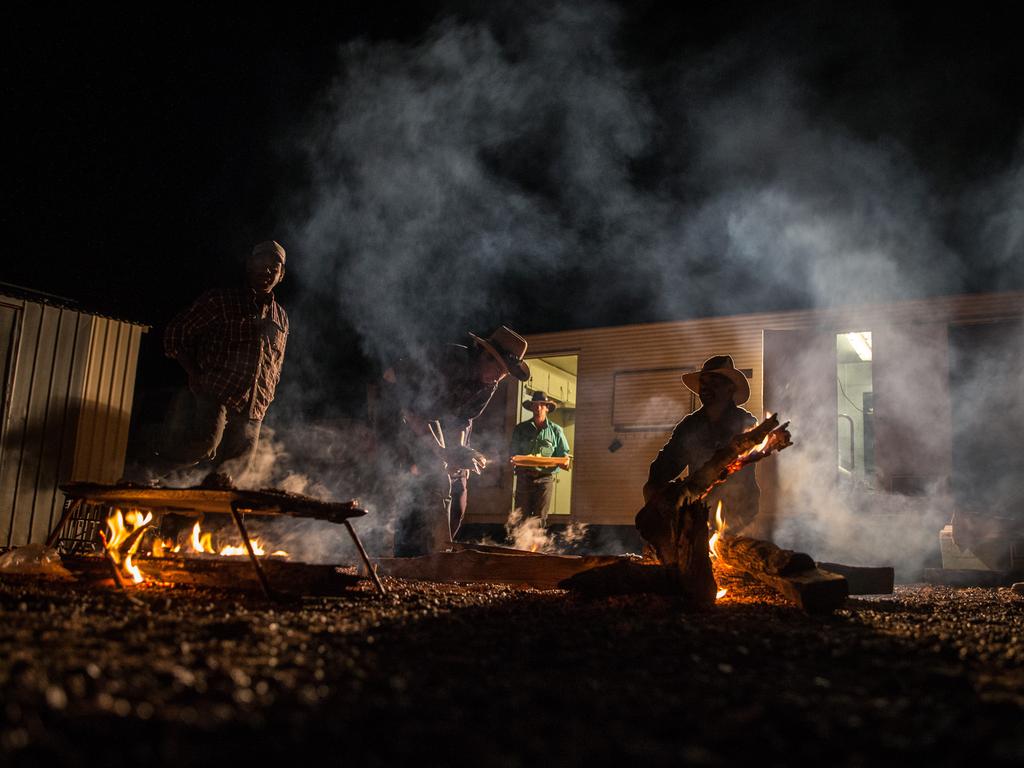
(527, 440)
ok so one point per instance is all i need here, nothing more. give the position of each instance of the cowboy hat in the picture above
(508, 348)
(720, 365)
(540, 398)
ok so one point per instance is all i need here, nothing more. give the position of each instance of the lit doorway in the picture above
(556, 377)
(855, 406)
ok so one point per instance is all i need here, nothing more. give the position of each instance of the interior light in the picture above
(861, 343)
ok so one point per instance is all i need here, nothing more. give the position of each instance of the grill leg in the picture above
(366, 560)
(264, 584)
(70, 507)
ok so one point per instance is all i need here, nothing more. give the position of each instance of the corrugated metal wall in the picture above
(68, 381)
(607, 484)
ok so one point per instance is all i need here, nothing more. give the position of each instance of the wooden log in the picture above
(791, 574)
(815, 591)
(285, 577)
(537, 570)
(864, 580)
(677, 527)
(757, 555)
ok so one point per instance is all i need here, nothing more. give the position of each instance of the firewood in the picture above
(792, 574)
(756, 555)
(864, 580)
(815, 591)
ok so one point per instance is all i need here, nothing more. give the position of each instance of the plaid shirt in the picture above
(238, 344)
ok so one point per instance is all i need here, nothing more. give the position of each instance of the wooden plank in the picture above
(530, 569)
(864, 580)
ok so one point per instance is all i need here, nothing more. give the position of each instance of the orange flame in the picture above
(202, 542)
(119, 529)
(713, 541)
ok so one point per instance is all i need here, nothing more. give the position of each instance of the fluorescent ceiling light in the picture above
(861, 343)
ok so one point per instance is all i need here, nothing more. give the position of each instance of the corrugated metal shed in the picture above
(628, 383)
(68, 380)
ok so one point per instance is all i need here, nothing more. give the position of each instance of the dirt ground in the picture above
(495, 675)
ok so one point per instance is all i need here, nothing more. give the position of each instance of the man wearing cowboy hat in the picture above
(538, 436)
(722, 389)
(423, 421)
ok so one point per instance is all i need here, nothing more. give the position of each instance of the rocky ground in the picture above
(493, 675)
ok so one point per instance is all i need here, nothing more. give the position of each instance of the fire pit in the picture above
(131, 514)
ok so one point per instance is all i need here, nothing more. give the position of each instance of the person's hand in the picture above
(464, 457)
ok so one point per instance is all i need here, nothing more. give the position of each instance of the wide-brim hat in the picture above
(508, 348)
(720, 365)
(540, 398)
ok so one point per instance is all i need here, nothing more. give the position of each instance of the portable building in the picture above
(67, 379)
(904, 398)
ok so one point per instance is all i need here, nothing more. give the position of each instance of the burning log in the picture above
(793, 574)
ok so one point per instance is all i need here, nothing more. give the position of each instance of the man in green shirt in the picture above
(537, 437)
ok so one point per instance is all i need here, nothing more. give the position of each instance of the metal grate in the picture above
(81, 533)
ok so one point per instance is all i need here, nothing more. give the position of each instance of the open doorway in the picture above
(855, 406)
(556, 377)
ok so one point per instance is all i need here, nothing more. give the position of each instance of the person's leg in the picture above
(523, 498)
(460, 498)
(423, 526)
(241, 436)
(543, 495)
(198, 440)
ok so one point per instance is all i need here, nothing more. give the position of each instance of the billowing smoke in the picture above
(522, 157)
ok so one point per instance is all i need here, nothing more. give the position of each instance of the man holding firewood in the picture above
(423, 418)
(722, 389)
(231, 343)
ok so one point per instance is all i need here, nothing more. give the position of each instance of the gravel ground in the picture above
(493, 675)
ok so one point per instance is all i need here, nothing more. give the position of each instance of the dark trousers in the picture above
(214, 433)
(534, 493)
(424, 526)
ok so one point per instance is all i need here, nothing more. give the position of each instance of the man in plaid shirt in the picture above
(231, 344)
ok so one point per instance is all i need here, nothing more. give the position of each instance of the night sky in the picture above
(148, 152)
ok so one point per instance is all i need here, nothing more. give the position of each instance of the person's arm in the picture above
(671, 460)
(186, 329)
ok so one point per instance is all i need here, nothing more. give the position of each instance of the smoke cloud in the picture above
(523, 155)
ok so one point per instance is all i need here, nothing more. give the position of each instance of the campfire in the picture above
(127, 526)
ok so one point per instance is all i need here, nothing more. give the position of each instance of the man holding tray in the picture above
(537, 437)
